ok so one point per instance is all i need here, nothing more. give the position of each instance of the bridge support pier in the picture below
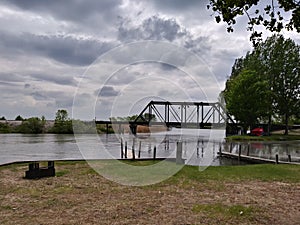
(133, 128)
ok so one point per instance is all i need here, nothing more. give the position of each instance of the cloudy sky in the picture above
(103, 58)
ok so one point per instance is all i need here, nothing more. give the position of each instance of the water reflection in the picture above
(198, 149)
(266, 150)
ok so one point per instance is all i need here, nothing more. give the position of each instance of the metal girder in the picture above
(184, 114)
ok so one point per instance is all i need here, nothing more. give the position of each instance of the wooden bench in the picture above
(36, 172)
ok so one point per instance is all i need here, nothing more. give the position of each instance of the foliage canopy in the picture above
(273, 15)
(267, 80)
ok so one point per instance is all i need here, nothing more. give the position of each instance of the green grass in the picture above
(140, 162)
(262, 172)
(273, 137)
(218, 210)
(61, 173)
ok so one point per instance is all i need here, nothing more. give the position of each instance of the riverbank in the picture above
(256, 194)
(275, 136)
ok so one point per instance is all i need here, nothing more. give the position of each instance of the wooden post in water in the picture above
(240, 151)
(277, 159)
(198, 145)
(248, 149)
(140, 148)
(231, 146)
(154, 153)
(106, 128)
(288, 152)
(202, 149)
(220, 150)
(122, 153)
(125, 149)
(133, 153)
(179, 153)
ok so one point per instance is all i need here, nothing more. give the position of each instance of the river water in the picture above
(200, 148)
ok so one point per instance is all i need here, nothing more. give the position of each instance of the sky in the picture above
(104, 58)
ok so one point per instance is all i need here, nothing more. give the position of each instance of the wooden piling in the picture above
(248, 149)
(122, 153)
(154, 153)
(198, 146)
(125, 149)
(289, 158)
(277, 159)
(133, 145)
(179, 153)
(240, 152)
(140, 148)
(231, 147)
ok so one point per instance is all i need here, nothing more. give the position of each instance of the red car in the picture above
(257, 131)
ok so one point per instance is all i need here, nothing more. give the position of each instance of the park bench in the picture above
(36, 172)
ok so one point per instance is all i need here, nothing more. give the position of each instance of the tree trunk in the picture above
(269, 125)
(286, 132)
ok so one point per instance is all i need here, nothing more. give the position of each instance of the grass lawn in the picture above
(252, 194)
(273, 137)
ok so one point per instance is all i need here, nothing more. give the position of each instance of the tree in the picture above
(19, 118)
(83, 127)
(245, 97)
(276, 63)
(5, 128)
(149, 117)
(2, 118)
(281, 61)
(33, 125)
(61, 115)
(272, 16)
(62, 124)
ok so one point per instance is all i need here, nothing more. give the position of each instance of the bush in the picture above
(5, 128)
(32, 125)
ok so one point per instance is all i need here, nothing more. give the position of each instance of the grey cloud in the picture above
(107, 91)
(77, 11)
(167, 67)
(39, 96)
(61, 99)
(27, 86)
(180, 5)
(8, 84)
(153, 28)
(46, 95)
(65, 102)
(156, 28)
(123, 77)
(61, 48)
(11, 77)
(198, 44)
(58, 79)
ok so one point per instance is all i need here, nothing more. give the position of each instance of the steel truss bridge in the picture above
(196, 115)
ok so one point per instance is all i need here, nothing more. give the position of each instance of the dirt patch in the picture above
(81, 196)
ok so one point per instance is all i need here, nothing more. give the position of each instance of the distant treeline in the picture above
(62, 125)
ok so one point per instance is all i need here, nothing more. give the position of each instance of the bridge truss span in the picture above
(198, 115)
